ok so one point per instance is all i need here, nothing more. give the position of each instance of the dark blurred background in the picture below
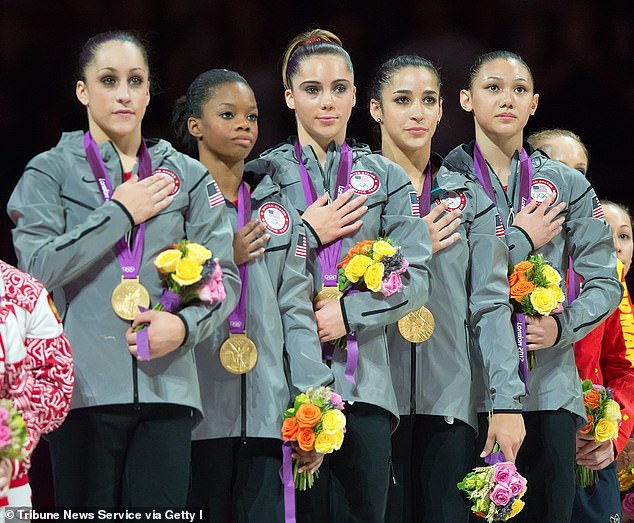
(581, 54)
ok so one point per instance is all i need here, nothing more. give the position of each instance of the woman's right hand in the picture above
(145, 198)
(441, 230)
(541, 222)
(339, 218)
(248, 242)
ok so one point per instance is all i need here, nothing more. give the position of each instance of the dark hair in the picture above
(310, 43)
(495, 55)
(387, 71)
(201, 90)
(537, 139)
(87, 54)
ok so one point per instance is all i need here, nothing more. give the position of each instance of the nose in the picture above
(507, 98)
(243, 123)
(417, 111)
(123, 92)
(326, 99)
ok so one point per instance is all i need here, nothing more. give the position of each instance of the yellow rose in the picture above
(373, 276)
(197, 253)
(381, 249)
(333, 421)
(557, 292)
(516, 508)
(544, 300)
(606, 430)
(551, 275)
(338, 439)
(612, 411)
(187, 272)
(166, 261)
(325, 443)
(356, 267)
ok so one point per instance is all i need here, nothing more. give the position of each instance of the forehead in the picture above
(564, 149)
(118, 54)
(413, 78)
(616, 217)
(236, 93)
(324, 68)
(505, 68)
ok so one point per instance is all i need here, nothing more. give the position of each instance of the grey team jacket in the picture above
(469, 299)
(279, 320)
(554, 382)
(389, 214)
(65, 236)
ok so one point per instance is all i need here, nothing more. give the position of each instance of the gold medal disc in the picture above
(328, 293)
(127, 297)
(238, 354)
(417, 326)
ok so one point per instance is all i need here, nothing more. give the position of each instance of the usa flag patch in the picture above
(499, 226)
(413, 203)
(597, 210)
(214, 195)
(300, 248)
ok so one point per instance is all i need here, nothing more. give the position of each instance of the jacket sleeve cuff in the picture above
(184, 320)
(127, 213)
(312, 232)
(528, 238)
(558, 339)
(344, 315)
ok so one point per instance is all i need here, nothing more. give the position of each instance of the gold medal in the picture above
(238, 354)
(417, 326)
(127, 297)
(328, 293)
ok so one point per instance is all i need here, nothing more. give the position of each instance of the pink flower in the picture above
(214, 289)
(503, 472)
(500, 495)
(403, 267)
(4, 416)
(628, 503)
(336, 400)
(598, 388)
(5, 436)
(517, 484)
(392, 284)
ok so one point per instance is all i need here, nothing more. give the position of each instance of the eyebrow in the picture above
(229, 104)
(409, 91)
(113, 69)
(517, 78)
(319, 83)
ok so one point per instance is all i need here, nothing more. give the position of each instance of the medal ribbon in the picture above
(238, 315)
(526, 183)
(129, 259)
(286, 474)
(424, 203)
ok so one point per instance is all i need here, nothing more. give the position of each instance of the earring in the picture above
(438, 122)
(379, 121)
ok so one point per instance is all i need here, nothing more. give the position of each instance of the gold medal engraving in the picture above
(417, 326)
(238, 354)
(328, 293)
(127, 297)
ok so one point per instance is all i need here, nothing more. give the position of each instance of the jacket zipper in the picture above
(243, 410)
(412, 391)
(135, 384)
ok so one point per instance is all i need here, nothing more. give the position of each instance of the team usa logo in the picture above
(597, 210)
(542, 189)
(364, 182)
(454, 200)
(275, 218)
(172, 175)
(214, 196)
(413, 204)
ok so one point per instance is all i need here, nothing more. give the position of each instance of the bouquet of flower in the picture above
(604, 417)
(314, 422)
(188, 273)
(625, 467)
(373, 265)
(496, 491)
(12, 432)
(535, 290)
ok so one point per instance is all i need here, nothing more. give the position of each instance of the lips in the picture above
(243, 140)
(124, 112)
(417, 131)
(327, 119)
(506, 116)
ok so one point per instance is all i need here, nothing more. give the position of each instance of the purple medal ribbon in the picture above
(286, 474)
(574, 282)
(424, 203)
(238, 315)
(129, 259)
(328, 255)
(526, 183)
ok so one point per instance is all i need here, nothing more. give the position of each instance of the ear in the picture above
(354, 95)
(534, 103)
(375, 110)
(193, 125)
(147, 95)
(290, 99)
(81, 92)
(440, 110)
(465, 100)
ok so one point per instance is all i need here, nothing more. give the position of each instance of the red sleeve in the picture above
(617, 364)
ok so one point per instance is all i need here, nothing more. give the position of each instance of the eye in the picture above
(521, 89)
(252, 117)
(311, 89)
(402, 100)
(340, 88)
(108, 80)
(581, 170)
(136, 80)
(624, 236)
(429, 100)
(491, 87)
(227, 115)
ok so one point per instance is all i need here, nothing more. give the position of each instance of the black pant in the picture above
(430, 457)
(354, 482)
(238, 480)
(601, 501)
(547, 460)
(120, 456)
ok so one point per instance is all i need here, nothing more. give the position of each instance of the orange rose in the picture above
(588, 428)
(592, 399)
(306, 439)
(513, 279)
(290, 429)
(523, 267)
(308, 415)
(364, 247)
(345, 261)
(521, 289)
